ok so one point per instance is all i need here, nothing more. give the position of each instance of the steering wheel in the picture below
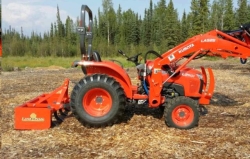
(152, 52)
(133, 59)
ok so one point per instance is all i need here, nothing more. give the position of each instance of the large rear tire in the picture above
(182, 113)
(97, 101)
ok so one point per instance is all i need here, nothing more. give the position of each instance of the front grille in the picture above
(201, 85)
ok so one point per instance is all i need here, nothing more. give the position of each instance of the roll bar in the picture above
(82, 31)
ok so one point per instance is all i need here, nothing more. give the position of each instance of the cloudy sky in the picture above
(37, 15)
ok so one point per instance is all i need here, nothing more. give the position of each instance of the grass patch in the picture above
(11, 62)
(22, 62)
(211, 58)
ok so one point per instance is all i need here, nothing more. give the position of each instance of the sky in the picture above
(37, 15)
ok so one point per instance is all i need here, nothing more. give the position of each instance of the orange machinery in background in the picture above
(0, 47)
(0, 43)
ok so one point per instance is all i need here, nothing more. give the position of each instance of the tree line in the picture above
(160, 28)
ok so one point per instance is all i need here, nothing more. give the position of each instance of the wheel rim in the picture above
(183, 115)
(97, 102)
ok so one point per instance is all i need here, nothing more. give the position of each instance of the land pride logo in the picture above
(33, 118)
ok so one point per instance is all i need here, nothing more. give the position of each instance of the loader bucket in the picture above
(36, 114)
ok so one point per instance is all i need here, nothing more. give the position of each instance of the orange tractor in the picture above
(0, 42)
(99, 98)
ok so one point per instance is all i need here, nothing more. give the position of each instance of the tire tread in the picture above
(101, 79)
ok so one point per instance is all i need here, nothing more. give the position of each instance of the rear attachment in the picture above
(37, 113)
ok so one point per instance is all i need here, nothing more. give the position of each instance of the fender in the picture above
(110, 68)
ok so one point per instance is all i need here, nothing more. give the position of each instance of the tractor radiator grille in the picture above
(201, 86)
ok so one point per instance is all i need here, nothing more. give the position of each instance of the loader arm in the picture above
(213, 43)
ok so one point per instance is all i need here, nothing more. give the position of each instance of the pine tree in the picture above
(184, 27)
(204, 12)
(242, 13)
(199, 14)
(172, 25)
(150, 22)
(160, 22)
(51, 31)
(107, 9)
(221, 13)
(118, 25)
(196, 21)
(60, 27)
(214, 16)
(55, 29)
(135, 30)
(112, 25)
(229, 20)
(145, 29)
(248, 8)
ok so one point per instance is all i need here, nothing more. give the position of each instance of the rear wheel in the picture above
(98, 100)
(181, 113)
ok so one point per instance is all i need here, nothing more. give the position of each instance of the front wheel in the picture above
(98, 100)
(182, 113)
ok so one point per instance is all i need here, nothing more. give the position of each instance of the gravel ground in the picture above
(224, 132)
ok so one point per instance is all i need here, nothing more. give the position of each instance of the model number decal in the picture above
(208, 40)
(186, 48)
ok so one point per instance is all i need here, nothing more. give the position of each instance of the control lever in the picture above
(133, 59)
(122, 53)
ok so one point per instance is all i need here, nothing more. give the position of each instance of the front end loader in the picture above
(100, 97)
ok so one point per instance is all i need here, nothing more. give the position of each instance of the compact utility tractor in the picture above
(99, 98)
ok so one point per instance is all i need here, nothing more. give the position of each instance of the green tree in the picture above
(172, 33)
(160, 22)
(248, 8)
(199, 15)
(51, 31)
(229, 20)
(214, 18)
(108, 18)
(60, 26)
(118, 25)
(204, 13)
(145, 29)
(196, 21)
(184, 27)
(242, 12)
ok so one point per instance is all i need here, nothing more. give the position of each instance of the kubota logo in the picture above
(186, 48)
(33, 118)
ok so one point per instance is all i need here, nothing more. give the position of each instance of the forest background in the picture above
(160, 29)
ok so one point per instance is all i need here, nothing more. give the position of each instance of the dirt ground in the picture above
(224, 132)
